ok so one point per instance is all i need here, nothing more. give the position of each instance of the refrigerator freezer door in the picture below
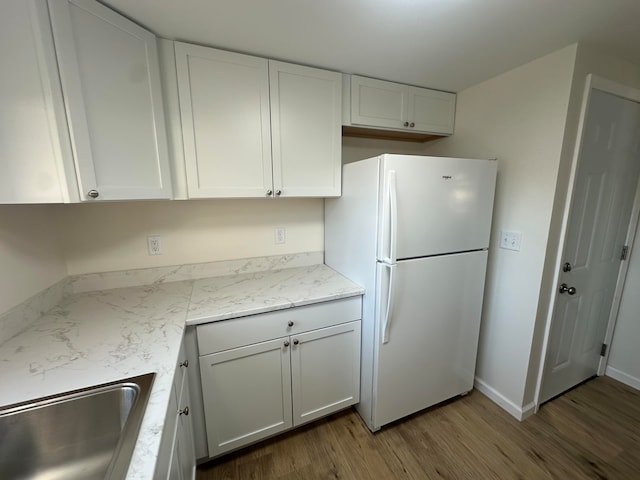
(433, 332)
(442, 205)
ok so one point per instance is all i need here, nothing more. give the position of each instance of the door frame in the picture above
(593, 82)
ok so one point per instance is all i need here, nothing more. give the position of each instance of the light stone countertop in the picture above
(232, 296)
(97, 337)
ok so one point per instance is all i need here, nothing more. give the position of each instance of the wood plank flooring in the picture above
(591, 432)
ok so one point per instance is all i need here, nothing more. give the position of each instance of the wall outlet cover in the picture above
(510, 240)
(280, 235)
(154, 245)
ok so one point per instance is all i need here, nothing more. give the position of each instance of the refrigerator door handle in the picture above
(390, 300)
(392, 200)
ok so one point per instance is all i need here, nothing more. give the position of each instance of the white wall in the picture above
(30, 255)
(113, 236)
(358, 148)
(519, 118)
(624, 360)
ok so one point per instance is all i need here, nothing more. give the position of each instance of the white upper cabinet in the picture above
(224, 107)
(371, 103)
(111, 83)
(36, 164)
(306, 130)
(431, 110)
(253, 127)
(378, 103)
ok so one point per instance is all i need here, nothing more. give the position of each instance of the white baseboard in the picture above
(520, 413)
(625, 378)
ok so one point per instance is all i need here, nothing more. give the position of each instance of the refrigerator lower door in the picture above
(432, 333)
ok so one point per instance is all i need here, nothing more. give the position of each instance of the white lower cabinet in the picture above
(248, 394)
(325, 371)
(255, 390)
(176, 459)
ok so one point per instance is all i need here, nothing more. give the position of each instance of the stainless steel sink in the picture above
(84, 434)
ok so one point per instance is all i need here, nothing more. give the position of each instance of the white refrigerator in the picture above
(414, 231)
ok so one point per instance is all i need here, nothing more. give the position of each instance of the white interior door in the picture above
(604, 190)
(432, 332)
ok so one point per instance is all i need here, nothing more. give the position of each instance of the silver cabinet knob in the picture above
(93, 194)
(278, 193)
(286, 343)
(296, 341)
(290, 323)
(406, 124)
(184, 411)
(269, 193)
(412, 124)
(185, 364)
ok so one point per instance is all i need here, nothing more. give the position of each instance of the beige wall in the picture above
(113, 236)
(519, 118)
(30, 255)
(358, 148)
(624, 359)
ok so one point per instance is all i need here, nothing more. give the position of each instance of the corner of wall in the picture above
(30, 252)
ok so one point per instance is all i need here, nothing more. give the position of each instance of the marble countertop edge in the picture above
(229, 314)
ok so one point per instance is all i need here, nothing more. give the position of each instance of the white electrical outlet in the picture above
(154, 245)
(280, 235)
(510, 240)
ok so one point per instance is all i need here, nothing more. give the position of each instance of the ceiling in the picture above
(442, 44)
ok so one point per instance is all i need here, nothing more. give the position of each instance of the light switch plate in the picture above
(510, 240)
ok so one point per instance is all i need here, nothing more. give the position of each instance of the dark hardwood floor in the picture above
(591, 432)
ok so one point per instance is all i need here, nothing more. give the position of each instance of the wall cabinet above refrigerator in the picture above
(377, 108)
(82, 115)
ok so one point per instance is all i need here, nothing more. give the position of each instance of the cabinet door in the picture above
(247, 394)
(33, 129)
(325, 369)
(431, 110)
(378, 103)
(167, 464)
(306, 127)
(111, 82)
(184, 436)
(224, 107)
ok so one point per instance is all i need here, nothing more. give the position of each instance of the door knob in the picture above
(566, 289)
(566, 267)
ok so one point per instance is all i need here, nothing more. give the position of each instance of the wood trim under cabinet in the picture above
(359, 132)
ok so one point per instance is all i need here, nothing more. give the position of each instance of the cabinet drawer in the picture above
(226, 334)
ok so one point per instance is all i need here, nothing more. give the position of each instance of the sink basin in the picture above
(84, 434)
